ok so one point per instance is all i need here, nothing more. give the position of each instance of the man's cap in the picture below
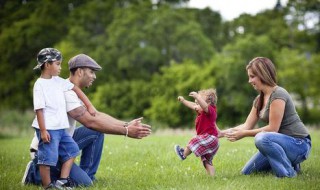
(47, 55)
(83, 60)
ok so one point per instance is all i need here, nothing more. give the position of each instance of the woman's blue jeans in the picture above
(279, 153)
(91, 144)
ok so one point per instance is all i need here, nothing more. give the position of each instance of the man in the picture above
(90, 136)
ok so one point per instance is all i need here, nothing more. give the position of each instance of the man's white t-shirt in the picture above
(72, 101)
(48, 94)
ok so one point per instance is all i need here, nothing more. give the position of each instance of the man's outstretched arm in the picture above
(107, 124)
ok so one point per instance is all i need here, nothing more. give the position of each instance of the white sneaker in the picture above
(65, 184)
(26, 172)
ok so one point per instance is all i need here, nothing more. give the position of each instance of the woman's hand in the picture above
(235, 134)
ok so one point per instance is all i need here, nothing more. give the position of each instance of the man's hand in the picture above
(138, 130)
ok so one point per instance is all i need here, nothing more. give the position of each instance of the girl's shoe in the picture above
(179, 151)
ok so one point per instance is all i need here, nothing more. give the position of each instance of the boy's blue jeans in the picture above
(91, 144)
(278, 152)
(61, 147)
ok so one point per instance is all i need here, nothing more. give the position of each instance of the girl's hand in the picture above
(45, 136)
(193, 94)
(222, 133)
(181, 98)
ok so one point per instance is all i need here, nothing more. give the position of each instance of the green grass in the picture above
(152, 164)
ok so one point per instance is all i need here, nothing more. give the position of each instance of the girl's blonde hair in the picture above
(211, 96)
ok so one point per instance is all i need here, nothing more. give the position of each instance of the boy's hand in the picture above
(45, 136)
(92, 110)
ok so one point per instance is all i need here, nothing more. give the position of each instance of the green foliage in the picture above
(297, 72)
(235, 94)
(212, 26)
(118, 98)
(178, 79)
(15, 123)
(132, 41)
(20, 41)
(156, 38)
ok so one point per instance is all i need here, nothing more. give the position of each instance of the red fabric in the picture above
(206, 122)
(205, 146)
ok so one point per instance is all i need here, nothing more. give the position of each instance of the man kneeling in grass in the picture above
(90, 135)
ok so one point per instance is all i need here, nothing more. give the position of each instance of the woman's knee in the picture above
(259, 139)
(264, 138)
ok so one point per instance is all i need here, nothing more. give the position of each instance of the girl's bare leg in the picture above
(186, 152)
(210, 169)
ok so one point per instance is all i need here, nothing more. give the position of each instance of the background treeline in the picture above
(153, 51)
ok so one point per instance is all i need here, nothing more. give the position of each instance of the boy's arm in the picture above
(187, 103)
(91, 109)
(45, 136)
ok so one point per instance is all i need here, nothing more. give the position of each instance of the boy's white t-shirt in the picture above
(72, 102)
(48, 94)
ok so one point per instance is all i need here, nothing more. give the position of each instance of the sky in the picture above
(230, 9)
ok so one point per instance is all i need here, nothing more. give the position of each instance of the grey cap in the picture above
(82, 60)
(47, 55)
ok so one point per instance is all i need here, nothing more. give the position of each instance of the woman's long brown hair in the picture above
(263, 68)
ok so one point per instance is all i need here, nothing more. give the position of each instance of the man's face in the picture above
(87, 77)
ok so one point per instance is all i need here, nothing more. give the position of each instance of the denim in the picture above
(77, 175)
(91, 144)
(61, 147)
(279, 153)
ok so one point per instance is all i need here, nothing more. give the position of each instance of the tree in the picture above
(236, 95)
(178, 79)
(20, 42)
(304, 19)
(156, 38)
(297, 72)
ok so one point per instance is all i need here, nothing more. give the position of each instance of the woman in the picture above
(284, 142)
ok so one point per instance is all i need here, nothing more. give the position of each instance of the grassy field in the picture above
(152, 164)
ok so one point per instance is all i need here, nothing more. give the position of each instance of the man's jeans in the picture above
(278, 152)
(91, 144)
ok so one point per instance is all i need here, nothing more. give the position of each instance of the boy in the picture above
(51, 119)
